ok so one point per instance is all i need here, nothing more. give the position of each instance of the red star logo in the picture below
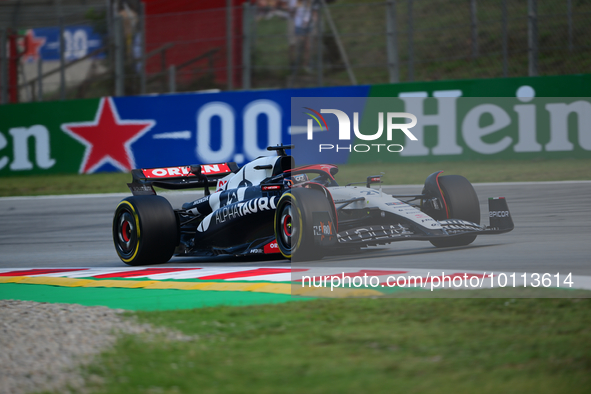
(107, 139)
(32, 45)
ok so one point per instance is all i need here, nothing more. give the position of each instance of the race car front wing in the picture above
(499, 215)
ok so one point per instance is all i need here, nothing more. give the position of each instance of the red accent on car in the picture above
(286, 229)
(221, 184)
(271, 247)
(167, 172)
(124, 229)
(270, 187)
(185, 171)
(211, 169)
(334, 210)
(318, 167)
(441, 192)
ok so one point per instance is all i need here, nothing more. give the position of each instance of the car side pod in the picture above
(499, 215)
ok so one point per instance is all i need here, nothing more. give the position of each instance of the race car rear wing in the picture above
(183, 177)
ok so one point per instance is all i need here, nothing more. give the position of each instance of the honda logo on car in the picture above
(241, 209)
(498, 214)
(345, 130)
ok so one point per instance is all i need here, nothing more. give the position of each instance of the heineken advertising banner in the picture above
(456, 120)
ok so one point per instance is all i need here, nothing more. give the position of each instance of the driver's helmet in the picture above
(299, 178)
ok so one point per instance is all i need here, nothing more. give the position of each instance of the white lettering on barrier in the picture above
(559, 114)
(4, 159)
(526, 126)
(227, 139)
(473, 132)
(252, 134)
(21, 137)
(444, 120)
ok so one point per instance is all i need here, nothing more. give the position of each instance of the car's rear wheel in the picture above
(461, 202)
(145, 230)
(294, 223)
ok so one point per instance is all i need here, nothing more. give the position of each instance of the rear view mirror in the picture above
(373, 179)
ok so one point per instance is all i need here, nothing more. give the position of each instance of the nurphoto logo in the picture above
(345, 130)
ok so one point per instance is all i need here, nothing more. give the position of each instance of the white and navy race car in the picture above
(270, 206)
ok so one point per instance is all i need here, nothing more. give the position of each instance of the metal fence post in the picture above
(411, 60)
(532, 38)
(229, 45)
(62, 61)
(337, 38)
(319, 51)
(143, 48)
(474, 28)
(119, 54)
(172, 79)
(569, 13)
(3, 68)
(392, 42)
(505, 42)
(40, 79)
(110, 40)
(246, 45)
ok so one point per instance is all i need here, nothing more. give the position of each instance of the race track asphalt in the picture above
(552, 234)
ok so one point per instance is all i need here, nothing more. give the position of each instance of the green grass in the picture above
(395, 174)
(475, 171)
(362, 346)
(64, 184)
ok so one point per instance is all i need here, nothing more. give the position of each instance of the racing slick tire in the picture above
(294, 223)
(145, 230)
(462, 203)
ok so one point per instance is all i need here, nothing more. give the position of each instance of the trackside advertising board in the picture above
(456, 120)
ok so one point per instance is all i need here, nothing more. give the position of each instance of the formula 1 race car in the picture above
(269, 206)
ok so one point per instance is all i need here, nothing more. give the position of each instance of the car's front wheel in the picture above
(294, 223)
(461, 202)
(145, 230)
